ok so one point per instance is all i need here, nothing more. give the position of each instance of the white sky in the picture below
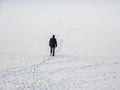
(26, 26)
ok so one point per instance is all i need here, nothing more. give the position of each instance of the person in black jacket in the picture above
(52, 44)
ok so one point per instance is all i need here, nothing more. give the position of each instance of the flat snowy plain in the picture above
(88, 52)
(62, 72)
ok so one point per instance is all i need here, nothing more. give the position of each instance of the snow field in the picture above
(64, 73)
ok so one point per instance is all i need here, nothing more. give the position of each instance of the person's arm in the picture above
(56, 42)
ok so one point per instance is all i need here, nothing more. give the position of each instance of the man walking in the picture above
(53, 45)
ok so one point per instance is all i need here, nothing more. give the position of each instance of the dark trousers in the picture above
(52, 51)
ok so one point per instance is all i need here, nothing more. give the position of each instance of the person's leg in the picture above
(53, 51)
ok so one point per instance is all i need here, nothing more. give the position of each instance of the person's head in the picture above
(53, 36)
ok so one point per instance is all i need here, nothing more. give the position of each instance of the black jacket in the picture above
(53, 42)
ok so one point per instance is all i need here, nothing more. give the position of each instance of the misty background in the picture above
(26, 26)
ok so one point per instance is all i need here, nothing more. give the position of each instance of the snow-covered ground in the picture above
(64, 72)
(88, 52)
